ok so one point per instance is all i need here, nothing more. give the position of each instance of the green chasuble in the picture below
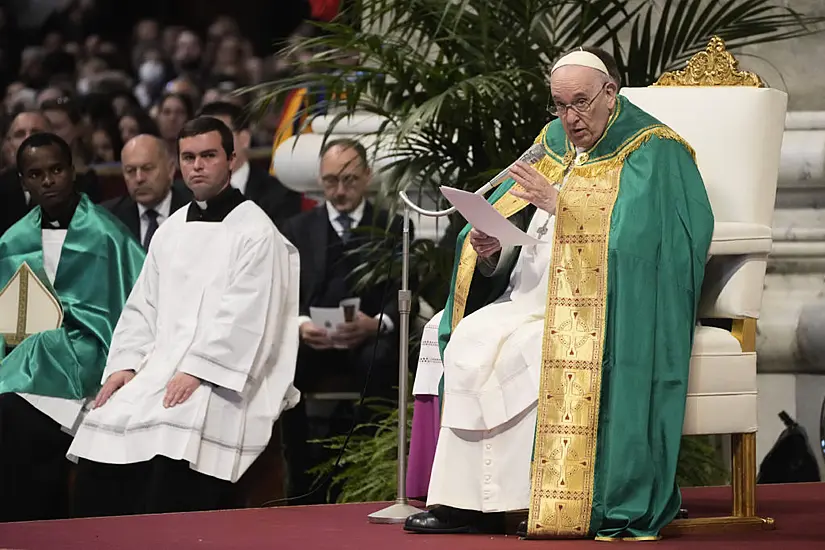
(99, 263)
(632, 232)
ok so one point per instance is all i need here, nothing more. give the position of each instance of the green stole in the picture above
(99, 263)
(632, 232)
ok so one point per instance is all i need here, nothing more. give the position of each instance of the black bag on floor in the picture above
(791, 459)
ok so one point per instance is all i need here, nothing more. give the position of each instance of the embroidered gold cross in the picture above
(577, 271)
(564, 461)
(584, 211)
(570, 397)
(573, 333)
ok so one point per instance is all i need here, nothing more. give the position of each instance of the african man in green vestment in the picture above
(565, 363)
(89, 262)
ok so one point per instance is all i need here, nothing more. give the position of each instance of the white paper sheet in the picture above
(482, 216)
(327, 318)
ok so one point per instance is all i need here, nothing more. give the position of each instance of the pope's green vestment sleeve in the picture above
(660, 232)
(99, 264)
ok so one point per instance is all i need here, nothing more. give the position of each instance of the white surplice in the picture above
(66, 412)
(219, 301)
(491, 375)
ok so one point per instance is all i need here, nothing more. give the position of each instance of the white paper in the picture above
(327, 318)
(482, 216)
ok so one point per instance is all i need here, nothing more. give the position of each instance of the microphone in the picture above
(530, 156)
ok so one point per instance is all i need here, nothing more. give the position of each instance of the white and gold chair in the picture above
(735, 124)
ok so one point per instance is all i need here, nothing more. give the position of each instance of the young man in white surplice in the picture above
(203, 359)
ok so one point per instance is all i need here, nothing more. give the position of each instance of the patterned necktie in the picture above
(152, 216)
(346, 224)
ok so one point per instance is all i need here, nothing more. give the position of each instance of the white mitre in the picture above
(582, 59)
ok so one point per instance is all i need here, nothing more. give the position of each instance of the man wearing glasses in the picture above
(565, 364)
(331, 240)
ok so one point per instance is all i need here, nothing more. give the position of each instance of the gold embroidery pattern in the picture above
(22, 310)
(568, 410)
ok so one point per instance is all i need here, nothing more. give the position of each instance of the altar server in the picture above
(203, 357)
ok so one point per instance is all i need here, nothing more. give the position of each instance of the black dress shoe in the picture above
(683, 514)
(443, 520)
(521, 530)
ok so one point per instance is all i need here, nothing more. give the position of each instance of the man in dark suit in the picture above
(148, 171)
(14, 201)
(330, 240)
(256, 184)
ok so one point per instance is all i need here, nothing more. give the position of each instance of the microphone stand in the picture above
(401, 510)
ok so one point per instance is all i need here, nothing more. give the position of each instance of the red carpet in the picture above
(799, 511)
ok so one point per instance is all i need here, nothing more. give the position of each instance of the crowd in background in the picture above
(97, 95)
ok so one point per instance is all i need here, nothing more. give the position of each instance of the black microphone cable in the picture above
(358, 408)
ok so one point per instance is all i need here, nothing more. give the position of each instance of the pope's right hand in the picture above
(113, 383)
(484, 245)
(314, 336)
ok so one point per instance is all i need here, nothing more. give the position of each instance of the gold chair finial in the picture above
(715, 66)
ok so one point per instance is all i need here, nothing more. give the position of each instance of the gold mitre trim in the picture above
(715, 66)
(23, 278)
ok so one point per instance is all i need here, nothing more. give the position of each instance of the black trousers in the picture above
(34, 470)
(157, 486)
(321, 371)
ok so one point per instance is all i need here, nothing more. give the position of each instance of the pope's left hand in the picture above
(535, 188)
(179, 389)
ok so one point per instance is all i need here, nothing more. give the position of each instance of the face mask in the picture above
(151, 72)
(83, 86)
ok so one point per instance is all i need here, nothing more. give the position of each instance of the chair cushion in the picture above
(730, 238)
(722, 386)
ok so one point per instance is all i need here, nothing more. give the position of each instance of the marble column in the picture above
(791, 328)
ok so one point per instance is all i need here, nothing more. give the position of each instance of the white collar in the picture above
(163, 208)
(356, 215)
(240, 178)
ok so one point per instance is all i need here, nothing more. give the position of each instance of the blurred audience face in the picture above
(147, 31)
(23, 125)
(12, 91)
(254, 70)
(62, 125)
(187, 51)
(186, 87)
(129, 127)
(170, 39)
(241, 139)
(344, 178)
(221, 27)
(102, 148)
(92, 44)
(204, 165)
(212, 95)
(53, 42)
(229, 52)
(172, 116)
(122, 103)
(148, 170)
